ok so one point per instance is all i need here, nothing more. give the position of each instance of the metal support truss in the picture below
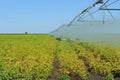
(103, 6)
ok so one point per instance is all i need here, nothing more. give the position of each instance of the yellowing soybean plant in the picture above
(42, 57)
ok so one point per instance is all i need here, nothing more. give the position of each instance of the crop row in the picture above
(69, 64)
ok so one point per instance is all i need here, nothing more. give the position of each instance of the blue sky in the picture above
(38, 16)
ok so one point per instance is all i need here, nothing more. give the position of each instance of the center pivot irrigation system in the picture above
(104, 6)
(97, 18)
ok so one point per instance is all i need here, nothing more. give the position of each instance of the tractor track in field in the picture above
(54, 75)
(54, 71)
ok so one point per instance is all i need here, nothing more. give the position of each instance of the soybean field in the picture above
(42, 57)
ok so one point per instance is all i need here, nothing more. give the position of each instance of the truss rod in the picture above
(109, 9)
(102, 7)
